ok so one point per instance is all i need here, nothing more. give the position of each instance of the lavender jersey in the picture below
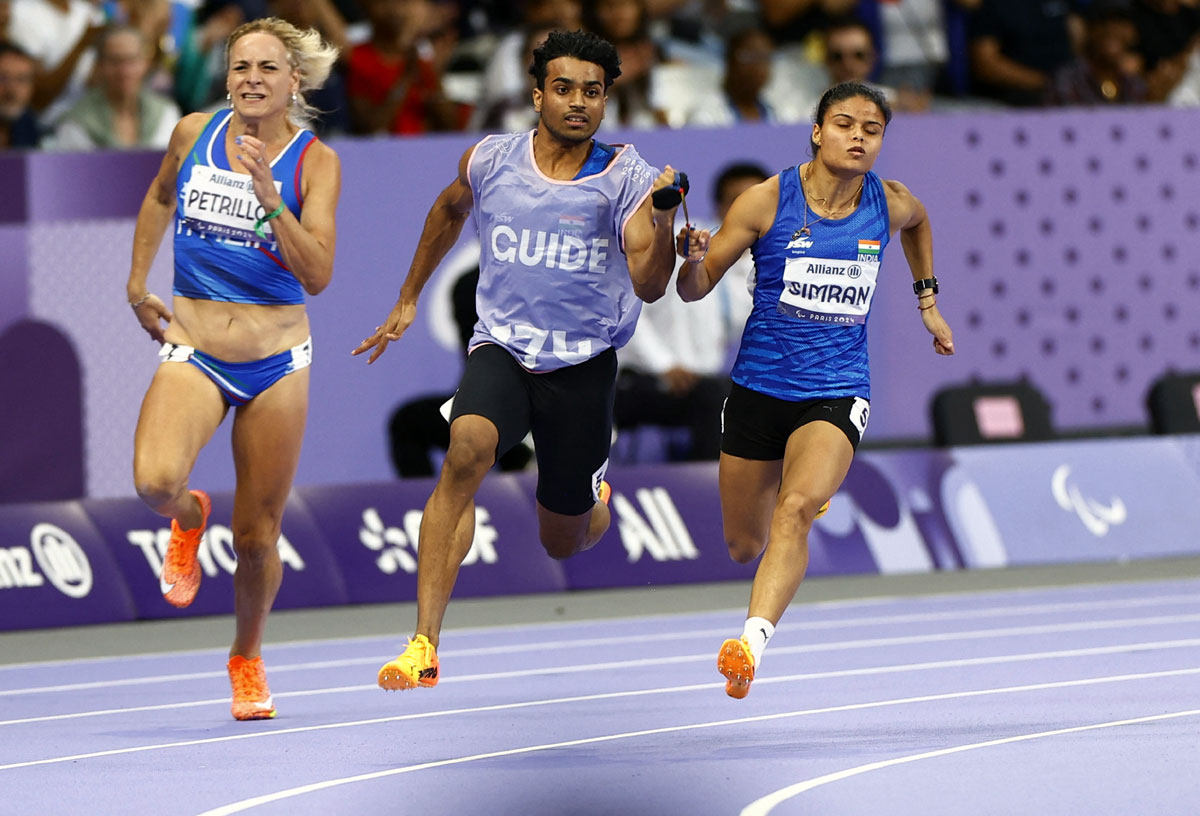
(554, 287)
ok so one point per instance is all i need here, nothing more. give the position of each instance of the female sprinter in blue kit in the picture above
(251, 194)
(801, 384)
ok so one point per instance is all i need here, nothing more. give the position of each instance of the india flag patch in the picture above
(868, 251)
(571, 222)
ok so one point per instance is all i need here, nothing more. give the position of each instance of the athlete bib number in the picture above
(828, 291)
(533, 345)
(222, 203)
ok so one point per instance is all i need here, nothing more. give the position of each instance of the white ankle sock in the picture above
(758, 633)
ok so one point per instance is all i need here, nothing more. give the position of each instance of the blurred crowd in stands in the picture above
(87, 74)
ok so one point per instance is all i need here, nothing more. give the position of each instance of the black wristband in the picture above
(920, 286)
(670, 196)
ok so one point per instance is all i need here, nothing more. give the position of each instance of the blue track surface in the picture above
(1079, 700)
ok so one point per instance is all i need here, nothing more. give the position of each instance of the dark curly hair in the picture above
(582, 45)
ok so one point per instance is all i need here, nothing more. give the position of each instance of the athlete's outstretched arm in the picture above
(157, 210)
(305, 243)
(650, 243)
(916, 236)
(442, 228)
(708, 257)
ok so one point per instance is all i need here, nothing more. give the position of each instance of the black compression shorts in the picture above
(569, 410)
(757, 426)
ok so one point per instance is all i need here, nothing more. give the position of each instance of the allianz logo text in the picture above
(397, 547)
(216, 551)
(658, 530)
(53, 555)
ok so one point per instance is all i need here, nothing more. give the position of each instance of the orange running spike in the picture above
(180, 579)
(736, 662)
(251, 696)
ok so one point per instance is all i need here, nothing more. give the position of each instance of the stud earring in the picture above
(293, 99)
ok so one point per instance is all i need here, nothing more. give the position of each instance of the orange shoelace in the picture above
(249, 680)
(180, 558)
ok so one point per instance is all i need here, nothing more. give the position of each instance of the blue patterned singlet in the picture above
(218, 256)
(806, 337)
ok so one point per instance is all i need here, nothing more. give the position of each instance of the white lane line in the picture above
(794, 626)
(810, 626)
(763, 806)
(247, 804)
(859, 672)
(836, 646)
(1094, 651)
(1159, 645)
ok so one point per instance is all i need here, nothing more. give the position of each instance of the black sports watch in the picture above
(921, 285)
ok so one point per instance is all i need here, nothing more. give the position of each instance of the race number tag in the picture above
(828, 291)
(860, 410)
(223, 204)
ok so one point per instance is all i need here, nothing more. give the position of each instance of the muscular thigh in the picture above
(748, 488)
(817, 460)
(572, 432)
(267, 436)
(181, 410)
(495, 387)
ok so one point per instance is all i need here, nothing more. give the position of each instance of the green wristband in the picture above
(258, 225)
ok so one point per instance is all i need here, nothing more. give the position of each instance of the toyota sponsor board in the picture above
(138, 539)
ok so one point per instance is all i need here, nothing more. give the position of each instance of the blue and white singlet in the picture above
(218, 256)
(806, 337)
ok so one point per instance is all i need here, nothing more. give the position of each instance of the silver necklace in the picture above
(804, 230)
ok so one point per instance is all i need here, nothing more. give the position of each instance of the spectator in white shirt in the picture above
(60, 35)
(673, 372)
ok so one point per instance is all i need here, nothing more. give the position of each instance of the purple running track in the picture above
(1080, 699)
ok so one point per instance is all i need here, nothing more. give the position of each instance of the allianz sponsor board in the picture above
(55, 569)
(52, 556)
